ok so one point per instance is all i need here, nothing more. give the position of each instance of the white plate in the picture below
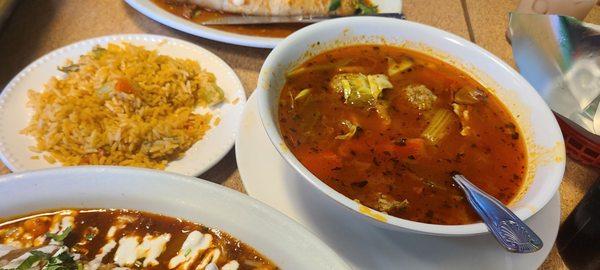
(15, 115)
(160, 15)
(268, 178)
(274, 235)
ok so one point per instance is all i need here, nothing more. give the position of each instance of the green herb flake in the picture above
(90, 236)
(334, 5)
(187, 252)
(362, 8)
(62, 261)
(36, 256)
(196, 12)
(60, 237)
(98, 51)
(69, 68)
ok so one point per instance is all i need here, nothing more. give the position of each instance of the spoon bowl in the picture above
(510, 231)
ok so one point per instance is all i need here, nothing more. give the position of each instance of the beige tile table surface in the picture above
(37, 27)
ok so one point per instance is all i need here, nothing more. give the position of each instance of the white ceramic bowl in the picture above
(276, 236)
(545, 146)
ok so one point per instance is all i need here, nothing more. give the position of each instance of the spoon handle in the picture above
(506, 227)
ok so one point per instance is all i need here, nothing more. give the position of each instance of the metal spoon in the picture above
(510, 231)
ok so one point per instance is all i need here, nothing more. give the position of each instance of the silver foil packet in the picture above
(560, 57)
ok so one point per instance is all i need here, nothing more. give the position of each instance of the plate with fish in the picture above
(126, 100)
(189, 15)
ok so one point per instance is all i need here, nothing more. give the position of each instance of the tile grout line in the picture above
(463, 4)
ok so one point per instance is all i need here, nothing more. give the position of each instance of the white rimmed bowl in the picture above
(274, 235)
(545, 145)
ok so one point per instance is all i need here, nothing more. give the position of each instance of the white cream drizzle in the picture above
(151, 247)
(211, 257)
(111, 232)
(231, 265)
(194, 244)
(211, 266)
(120, 224)
(97, 261)
(130, 250)
(126, 252)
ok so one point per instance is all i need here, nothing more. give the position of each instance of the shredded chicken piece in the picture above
(463, 114)
(386, 203)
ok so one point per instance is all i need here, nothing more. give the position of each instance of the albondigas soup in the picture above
(387, 127)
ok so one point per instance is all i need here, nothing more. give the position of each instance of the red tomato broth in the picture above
(393, 161)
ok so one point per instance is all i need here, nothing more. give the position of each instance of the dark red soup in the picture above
(102, 239)
(388, 127)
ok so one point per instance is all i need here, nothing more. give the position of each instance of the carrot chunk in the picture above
(124, 86)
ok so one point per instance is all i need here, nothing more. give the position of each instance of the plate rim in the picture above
(11, 88)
